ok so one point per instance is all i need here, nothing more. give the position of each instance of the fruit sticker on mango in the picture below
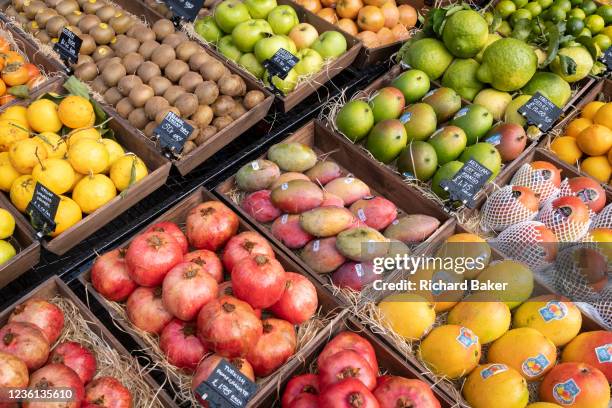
(566, 392)
(535, 366)
(467, 337)
(554, 310)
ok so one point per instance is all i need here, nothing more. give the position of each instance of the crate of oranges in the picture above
(64, 140)
(584, 139)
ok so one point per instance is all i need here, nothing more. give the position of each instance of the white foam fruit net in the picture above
(604, 218)
(502, 209)
(524, 242)
(557, 220)
(537, 180)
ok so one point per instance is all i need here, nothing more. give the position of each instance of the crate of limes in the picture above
(18, 250)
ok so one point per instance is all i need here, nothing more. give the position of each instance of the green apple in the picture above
(330, 44)
(227, 47)
(208, 29)
(283, 19)
(267, 47)
(249, 62)
(310, 62)
(229, 13)
(260, 8)
(303, 35)
(247, 33)
(284, 85)
(290, 44)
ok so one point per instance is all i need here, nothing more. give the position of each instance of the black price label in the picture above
(467, 182)
(185, 9)
(540, 111)
(226, 387)
(42, 209)
(280, 64)
(69, 46)
(173, 132)
(606, 58)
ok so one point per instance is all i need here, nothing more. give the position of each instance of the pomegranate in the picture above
(354, 275)
(57, 376)
(403, 392)
(108, 392)
(229, 327)
(210, 225)
(186, 289)
(346, 364)
(110, 276)
(259, 206)
(226, 289)
(302, 384)
(77, 357)
(208, 260)
(274, 348)
(259, 281)
(305, 401)
(180, 344)
(245, 245)
(172, 229)
(13, 374)
(207, 366)
(299, 300)
(287, 229)
(146, 310)
(349, 341)
(150, 256)
(46, 316)
(349, 393)
(26, 342)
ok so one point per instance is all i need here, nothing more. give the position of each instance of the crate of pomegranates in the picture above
(53, 349)
(199, 280)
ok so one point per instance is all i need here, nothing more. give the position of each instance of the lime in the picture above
(565, 5)
(508, 64)
(488, 16)
(534, 8)
(461, 76)
(550, 85)
(430, 56)
(556, 14)
(576, 13)
(545, 3)
(595, 23)
(504, 29)
(607, 31)
(589, 7)
(505, 8)
(606, 12)
(582, 58)
(520, 3)
(519, 15)
(465, 33)
(575, 26)
(603, 41)
(576, 2)
(490, 40)
(585, 33)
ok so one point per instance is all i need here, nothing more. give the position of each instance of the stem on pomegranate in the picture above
(355, 399)
(261, 260)
(228, 307)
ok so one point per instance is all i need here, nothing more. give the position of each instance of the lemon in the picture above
(508, 64)
(55, 174)
(10, 132)
(115, 151)
(25, 154)
(591, 108)
(93, 191)
(88, 156)
(7, 224)
(582, 58)
(396, 307)
(76, 112)
(42, 116)
(68, 213)
(597, 167)
(121, 171)
(83, 133)
(8, 174)
(22, 191)
(6, 251)
(17, 114)
(54, 145)
(576, 126)
(566, 149)
(604, 116)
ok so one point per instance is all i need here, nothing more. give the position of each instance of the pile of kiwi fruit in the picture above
(143, 71)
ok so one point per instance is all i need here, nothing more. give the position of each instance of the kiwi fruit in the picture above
(144, 35)
(197, 60)
(33, 7)
(18, 4)
(103, 63)
(154, 105)
(222, 122)
(87, 71)
(150, 128)
(120, 23)
(54, 3)
(146, 48)
(83, 58)
(65, 7)
(172, 93)
(102, 33)
(131, 32)
(159, 84)
(74, 29)
(185, 50)
(187, 104)
(203, 116)
(190, 81)
(117, 40)
(88, 22)
(101, 52)
(132, 61)
(22, 19)
(113, 72)
(232, 85)
(175, 39)
(124, 107)
(43, 37)
(163, 28)
(73, 18)
(148, 70)
(213, 70)
(98, 85)
(196, 131)
(140, 94)
(162, 55)
(162, 114)
(11, 12)
(223, 105)
(138, 118)
(44, 15)
(126, 46)
(32, 27)
(238, 111)
(55, 25)
(206, 133)
(91, 6)
(126, 84)
(112, 96)
(89, 44)
(175, 70)
(252, 99)
(188, 147)
(207, 92)
(105, 13)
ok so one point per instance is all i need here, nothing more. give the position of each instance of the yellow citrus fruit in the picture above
(396, 307)
(27, 153)
(22, 191)
(115, 151)
(595, 140)
(17, 114)
(55, 174)
(597, 167)
(121, 171)
(576, 126)
(489, 320)
(42, 116)
(68, 213)
(8, 174)
(77, 177)
(517, 277)
(10, 132)
(495, 385)
(604, 116)
(88, 156)
(7, 224)
(591, 108)
(6, 251)
(75, 112)
(566, 148)
(54, 145)
(93, 191)
(83, 133)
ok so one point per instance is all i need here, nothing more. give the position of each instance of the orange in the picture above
(604, 116)
(348, 25)
(566, 149)
(348, 8)
(391, 13)
(591, 108)
(595, 140)
(328, 14)
(597, 167)
(369, 39)
(407, 15)
(385, 36)
(2, 87)
(400, 32)
(576, 126)
(371, 18)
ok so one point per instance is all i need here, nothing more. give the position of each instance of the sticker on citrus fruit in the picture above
(467, 338)
(535, 366)
(566, 392)
(493, 369)
(554, 310)
(604, 353)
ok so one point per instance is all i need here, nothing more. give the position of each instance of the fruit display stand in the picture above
(320, 139)
(82, 326)
(328, 307)
(27, 247)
